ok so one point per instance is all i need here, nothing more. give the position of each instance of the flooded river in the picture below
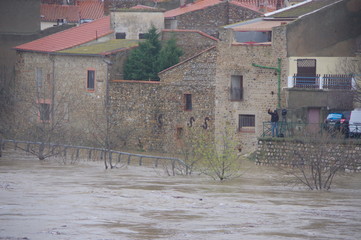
(52, 201)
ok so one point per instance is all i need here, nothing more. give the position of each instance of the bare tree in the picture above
(109, 132)
(41, 114)
(218, 158)
(6, 100)
(352, 67)
(314, 159)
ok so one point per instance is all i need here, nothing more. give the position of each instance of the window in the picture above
(188, 102)
(306, 67)
(306, 73)
(44, 112)
(39, 76)
(247, 123)
(236, 88)
(90, 80)
(120, 35)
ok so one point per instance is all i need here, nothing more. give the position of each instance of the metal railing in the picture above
(327, 81)
(292, 129)
(63, 150)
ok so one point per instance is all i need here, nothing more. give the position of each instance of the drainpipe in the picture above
(278, 70)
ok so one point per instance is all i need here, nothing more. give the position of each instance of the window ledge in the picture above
(248, 130)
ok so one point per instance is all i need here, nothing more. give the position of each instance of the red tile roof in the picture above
(191, 7)
(91, 9)
(70, 38)
(53, 12)
(202, 4)
(72, 13)
(251, 7)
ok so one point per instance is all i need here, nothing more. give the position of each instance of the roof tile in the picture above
(191, 7)
(53, 12)
(70, 38)
(91, 9)
(72, 13)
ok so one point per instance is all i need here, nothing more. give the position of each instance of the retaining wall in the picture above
(289, 152)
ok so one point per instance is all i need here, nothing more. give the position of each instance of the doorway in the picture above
(313, 119)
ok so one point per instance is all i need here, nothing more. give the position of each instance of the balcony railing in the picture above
(327, 81)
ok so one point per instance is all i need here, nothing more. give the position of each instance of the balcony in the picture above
(327, 81)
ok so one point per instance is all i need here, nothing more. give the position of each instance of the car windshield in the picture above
(334, 116)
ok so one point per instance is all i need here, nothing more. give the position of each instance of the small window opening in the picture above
(91, 80)
(188, 102)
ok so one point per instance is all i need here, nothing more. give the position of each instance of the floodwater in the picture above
(49, 200)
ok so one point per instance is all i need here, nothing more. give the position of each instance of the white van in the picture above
(355, 123)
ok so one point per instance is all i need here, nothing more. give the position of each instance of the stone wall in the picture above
(237, 14)
(208, 20)
(190, 41)
(63, 85)
(282, 152)
(260, 85)
(151, 116)
(132, 23)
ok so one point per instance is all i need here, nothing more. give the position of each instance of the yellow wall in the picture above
(325, 65)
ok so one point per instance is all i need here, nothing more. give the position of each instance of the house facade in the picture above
(260, 65)
(281, 68)
(134, 23)
(208, 15)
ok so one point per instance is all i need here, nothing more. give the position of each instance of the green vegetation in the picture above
(150, 57)
(99, 48)
(217, 159)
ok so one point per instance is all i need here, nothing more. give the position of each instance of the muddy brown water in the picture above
(49, 200)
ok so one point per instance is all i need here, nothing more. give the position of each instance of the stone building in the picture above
(155, 116)
(55, 89)
(231, 82)
(134, 23)
(190, 41)
(208, 15)
(259, 65)
(280, 68)
(71, 79)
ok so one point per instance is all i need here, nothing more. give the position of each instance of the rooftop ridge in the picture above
(190, 30)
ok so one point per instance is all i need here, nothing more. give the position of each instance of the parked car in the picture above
(338, 122)
(354, 126)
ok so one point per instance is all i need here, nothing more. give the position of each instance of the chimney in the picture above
(182, 3)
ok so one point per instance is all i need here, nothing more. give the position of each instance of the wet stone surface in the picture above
(49, 200)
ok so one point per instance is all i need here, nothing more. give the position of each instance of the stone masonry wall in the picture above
(190, 41)
(209, 19)
(151, 116)
(280, 152)
(63, 85)
(237, 14)
(260, 85)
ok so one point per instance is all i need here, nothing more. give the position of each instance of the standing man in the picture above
(274, 122)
